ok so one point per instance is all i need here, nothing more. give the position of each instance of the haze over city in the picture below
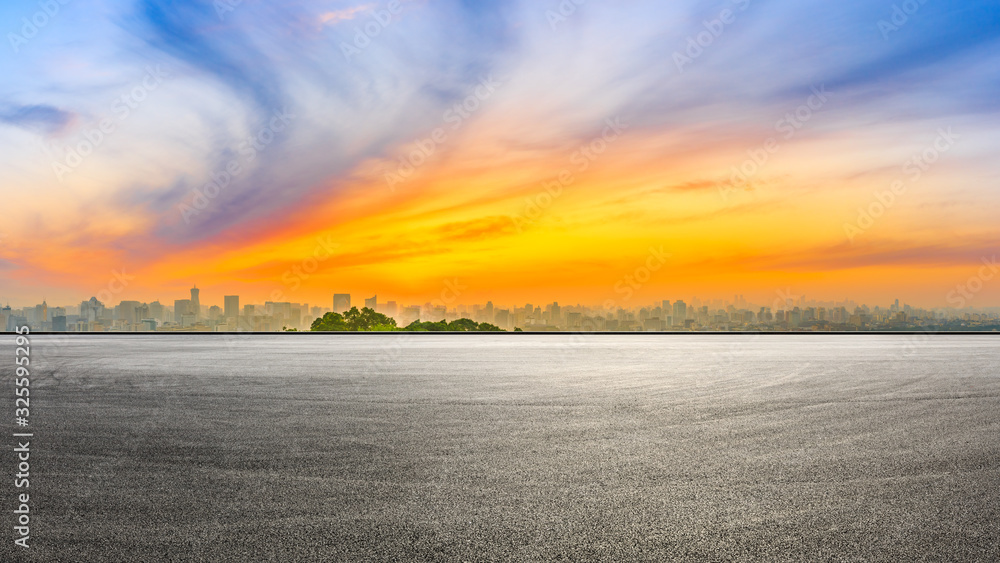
(785, 312)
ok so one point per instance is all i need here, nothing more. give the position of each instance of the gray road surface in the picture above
(500, 448)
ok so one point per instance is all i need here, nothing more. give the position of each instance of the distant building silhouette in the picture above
(195, 302)
(232, 307)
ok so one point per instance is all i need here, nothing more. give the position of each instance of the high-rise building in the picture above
(281, 311)
(214, 312)
(38, 315)
(232, 306)
(574, 320)
(501, 318)
(92, 310)
(680, 313)
(182, 307)
(156, 310)
(126, 312)
(795, 318)
(249, 319)
(409, 314)
(341, 302)
(195, 302)
(372, 303)
(390, 308)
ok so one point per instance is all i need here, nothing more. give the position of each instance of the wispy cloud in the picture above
(229, 76)
(39, 118)
(337, 16)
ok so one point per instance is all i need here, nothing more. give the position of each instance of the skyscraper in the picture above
(372, 303)
(156, 310)
(341, 302)
(181, 307)
(680, 313)
(232, 306)
(126, 311)
(92, 310)
(195, 302)
(249, 318)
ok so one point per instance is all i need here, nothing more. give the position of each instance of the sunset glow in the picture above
(529, 153)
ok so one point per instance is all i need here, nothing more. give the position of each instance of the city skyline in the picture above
(786, 312)
(960, 298)
(533, 150)
(975, 291)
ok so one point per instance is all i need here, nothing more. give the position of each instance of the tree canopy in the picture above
(367, 320)
(458, 325)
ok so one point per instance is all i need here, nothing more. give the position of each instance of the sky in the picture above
(584, 152)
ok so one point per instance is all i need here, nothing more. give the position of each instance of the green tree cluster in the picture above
(367, 320)
(458, 325)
